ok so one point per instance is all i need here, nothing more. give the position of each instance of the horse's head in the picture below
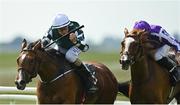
(27, 63)
(131, 47)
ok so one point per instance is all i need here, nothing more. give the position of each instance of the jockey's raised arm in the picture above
(70, 44)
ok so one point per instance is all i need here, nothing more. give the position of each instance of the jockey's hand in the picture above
(73, 38)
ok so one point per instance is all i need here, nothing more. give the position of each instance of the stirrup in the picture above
(93, 89)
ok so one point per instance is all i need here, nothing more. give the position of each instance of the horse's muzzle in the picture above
(125, 62)
(22, 80)
(20, 84)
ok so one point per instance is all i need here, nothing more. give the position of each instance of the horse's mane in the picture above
(59, 57)
(55, 54)
(52, 53)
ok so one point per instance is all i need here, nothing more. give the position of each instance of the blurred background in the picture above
(104, 22)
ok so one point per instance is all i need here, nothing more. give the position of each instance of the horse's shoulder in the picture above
(60, 58)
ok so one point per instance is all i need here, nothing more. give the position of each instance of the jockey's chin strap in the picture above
(55, 78)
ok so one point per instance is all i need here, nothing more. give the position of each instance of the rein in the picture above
(35, 62)
(45, 82)
(56, 78)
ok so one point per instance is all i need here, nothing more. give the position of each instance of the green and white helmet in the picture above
(59, 21)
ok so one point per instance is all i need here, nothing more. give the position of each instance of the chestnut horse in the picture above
(151, 83)
(59, 84)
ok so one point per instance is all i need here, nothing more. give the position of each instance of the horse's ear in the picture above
(24, 44)
(126, 31)
(37, 45)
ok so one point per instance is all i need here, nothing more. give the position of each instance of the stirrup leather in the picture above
(94, 79)
(89, 68)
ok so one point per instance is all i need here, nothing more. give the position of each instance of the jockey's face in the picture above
(63, 31)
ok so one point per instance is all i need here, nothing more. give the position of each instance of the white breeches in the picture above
(72, 54)
(161, 52)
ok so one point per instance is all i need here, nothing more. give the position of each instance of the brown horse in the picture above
(150, 82)
(59, 84)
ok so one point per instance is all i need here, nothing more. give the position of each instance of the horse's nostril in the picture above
(120, 61)
(22, 82)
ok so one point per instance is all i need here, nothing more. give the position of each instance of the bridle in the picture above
(137, 54)
(37, 63)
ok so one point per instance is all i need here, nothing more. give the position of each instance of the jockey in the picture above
(71, 47)
(159, 34)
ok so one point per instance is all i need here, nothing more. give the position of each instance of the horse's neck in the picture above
(48, 68)
(140, 70)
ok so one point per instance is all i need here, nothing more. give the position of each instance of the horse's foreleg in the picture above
(125, 88)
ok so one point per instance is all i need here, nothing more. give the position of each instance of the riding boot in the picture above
(172, 68)
(87, 76)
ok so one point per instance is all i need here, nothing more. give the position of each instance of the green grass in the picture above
(101, 57)
(8, 67)
(8, 60)
(16, 102)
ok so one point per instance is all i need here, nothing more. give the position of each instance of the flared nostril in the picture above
(22, 82)
(120, 61)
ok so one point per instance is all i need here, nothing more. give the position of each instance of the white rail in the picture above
(19, 97)
(13, 90)
(12, 95)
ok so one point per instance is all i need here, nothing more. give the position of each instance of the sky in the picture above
(31, 18)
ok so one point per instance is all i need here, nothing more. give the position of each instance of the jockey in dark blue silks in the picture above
(71, 46)
(159, 34)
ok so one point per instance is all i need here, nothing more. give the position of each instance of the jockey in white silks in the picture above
(161, 56)
(71, 46)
